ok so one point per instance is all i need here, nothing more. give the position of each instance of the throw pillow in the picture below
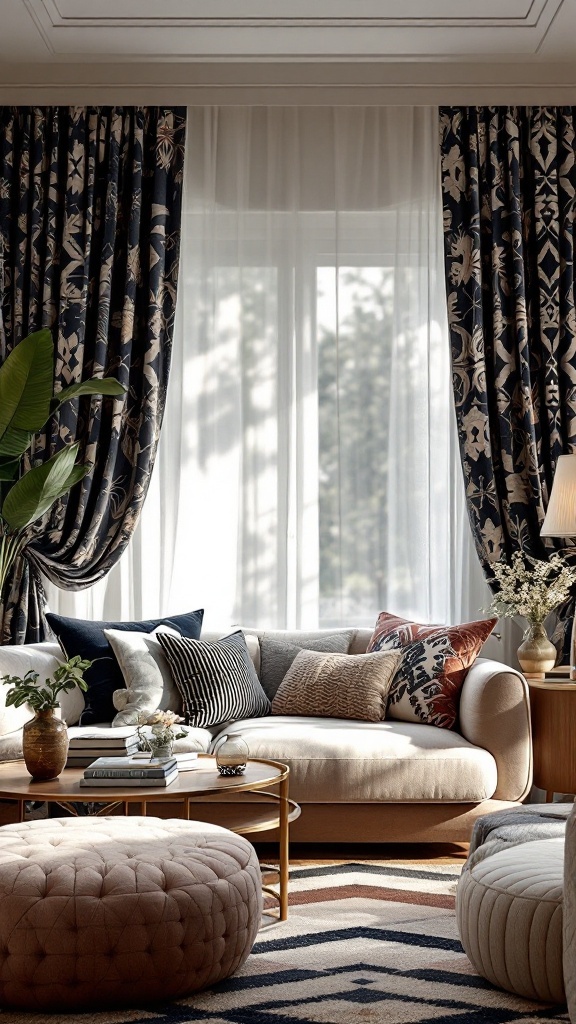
(147, 676)
(77, 636)
(217, 681)
(435, 662)
(277, 655)
(337, 685)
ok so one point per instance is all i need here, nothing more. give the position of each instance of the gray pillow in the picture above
(276, 656)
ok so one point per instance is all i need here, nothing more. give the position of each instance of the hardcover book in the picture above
(122, 783)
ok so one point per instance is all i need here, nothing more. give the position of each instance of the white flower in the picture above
(531, 590)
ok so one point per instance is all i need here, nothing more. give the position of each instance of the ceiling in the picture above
(396, 50)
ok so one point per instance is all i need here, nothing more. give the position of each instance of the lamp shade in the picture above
(560, 518)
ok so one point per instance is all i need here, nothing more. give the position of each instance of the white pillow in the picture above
(146, 672)
(44, 658)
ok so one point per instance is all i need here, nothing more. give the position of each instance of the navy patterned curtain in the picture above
(509, 191)
(90, 208)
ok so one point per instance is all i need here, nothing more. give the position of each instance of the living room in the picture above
(287, 511)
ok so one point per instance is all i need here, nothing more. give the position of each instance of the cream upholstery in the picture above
(569, 927)
(112, 911)
(509, 914)
(332, 760)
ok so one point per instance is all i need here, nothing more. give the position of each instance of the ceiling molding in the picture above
(290, 30)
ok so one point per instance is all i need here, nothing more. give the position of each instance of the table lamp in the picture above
(560, 520)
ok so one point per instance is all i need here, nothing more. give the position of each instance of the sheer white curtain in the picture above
(308, 471)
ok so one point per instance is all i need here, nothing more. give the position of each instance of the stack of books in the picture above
(130, 771)
(84, 749)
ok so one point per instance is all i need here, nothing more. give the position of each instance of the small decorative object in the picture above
(231, 756)
(532, 588)
(160, 740)
(45, 737)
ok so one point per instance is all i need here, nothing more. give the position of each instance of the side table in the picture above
(553, 709)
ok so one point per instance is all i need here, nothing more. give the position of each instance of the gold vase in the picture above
(45, 745)
(536, 654)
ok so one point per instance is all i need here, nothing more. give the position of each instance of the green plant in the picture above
(43, 698)
(27, 401)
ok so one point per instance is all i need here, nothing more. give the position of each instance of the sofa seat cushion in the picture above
(336, 761)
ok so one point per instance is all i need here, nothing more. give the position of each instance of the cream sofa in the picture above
(389, 781)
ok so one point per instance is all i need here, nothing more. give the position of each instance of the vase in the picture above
(536, 654)
(231, 756)
(161, 749)
(45, 745)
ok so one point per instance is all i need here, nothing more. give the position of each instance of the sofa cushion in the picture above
(44, 658)
(86, 638)
(217, 681)
(335, 761)
(147, 675)
(427, 685)
(276, 656)
(337, 685)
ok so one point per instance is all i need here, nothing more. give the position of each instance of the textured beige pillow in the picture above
(337, 685)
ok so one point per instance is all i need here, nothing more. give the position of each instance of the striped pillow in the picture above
(217, 680)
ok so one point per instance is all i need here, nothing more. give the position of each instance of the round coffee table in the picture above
(271, 811)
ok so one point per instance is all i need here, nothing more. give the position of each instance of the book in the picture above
(95, 752)
(122, 737)
(122, 783)
(187, 762)
(126, 768)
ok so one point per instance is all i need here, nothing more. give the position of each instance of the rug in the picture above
(365, 943)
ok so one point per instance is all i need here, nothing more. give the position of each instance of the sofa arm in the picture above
(495, 715)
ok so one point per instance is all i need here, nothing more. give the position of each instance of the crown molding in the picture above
(361, 83)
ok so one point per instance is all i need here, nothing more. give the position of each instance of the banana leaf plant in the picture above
(27, 401)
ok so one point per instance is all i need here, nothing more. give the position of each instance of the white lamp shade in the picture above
(560, 519)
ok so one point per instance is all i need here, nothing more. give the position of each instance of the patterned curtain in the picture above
(509, 192)
(90, 207)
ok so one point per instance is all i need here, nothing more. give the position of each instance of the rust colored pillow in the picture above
(435, 662)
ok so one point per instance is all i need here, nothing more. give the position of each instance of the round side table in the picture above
(553, 708)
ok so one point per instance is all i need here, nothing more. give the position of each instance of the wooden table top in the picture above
(16, 784)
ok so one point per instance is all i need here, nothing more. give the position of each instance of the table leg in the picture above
(21, 810)
(284, 852)
(549, 792)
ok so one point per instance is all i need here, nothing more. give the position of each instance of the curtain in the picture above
(508, 182)
(90, 207)
(308, 471)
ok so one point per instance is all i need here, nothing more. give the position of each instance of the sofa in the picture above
(370, 782)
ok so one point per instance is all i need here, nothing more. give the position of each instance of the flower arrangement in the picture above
(163, 729)
(531, 587)
(24, 689)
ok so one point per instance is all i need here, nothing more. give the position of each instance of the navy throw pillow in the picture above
(78, 636)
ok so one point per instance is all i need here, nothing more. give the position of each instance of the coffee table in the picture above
(270, 810)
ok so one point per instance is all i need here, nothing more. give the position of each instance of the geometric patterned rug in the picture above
(365, 943)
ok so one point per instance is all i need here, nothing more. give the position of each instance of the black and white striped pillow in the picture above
(217, 681)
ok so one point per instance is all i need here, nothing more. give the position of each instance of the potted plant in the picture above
(27, 401)
(45, 737)
(164, 730)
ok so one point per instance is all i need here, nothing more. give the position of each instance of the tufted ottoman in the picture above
(112, 911)
(509, 914)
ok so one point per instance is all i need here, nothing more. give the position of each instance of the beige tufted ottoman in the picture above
(509, 913)
(112, 911)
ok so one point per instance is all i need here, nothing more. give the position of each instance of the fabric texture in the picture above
(276, 656)
(44, 659)
(427, 684)
(509, 916)
(90, 209)
(148, 683)
(104, 676)
(515, 826)
(333, 760)
(348, 686)
(508, 183)
(217, 681)
(569, 917)
(122, 910)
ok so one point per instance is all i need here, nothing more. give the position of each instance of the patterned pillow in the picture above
(217, 680)
(435, 662)
(277, 655)
(337, 685)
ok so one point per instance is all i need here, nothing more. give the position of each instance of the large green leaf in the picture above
(26, 385)
(94, 386)
(39, 488)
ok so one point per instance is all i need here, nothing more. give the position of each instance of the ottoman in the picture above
(115, 911)
(509, 915)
